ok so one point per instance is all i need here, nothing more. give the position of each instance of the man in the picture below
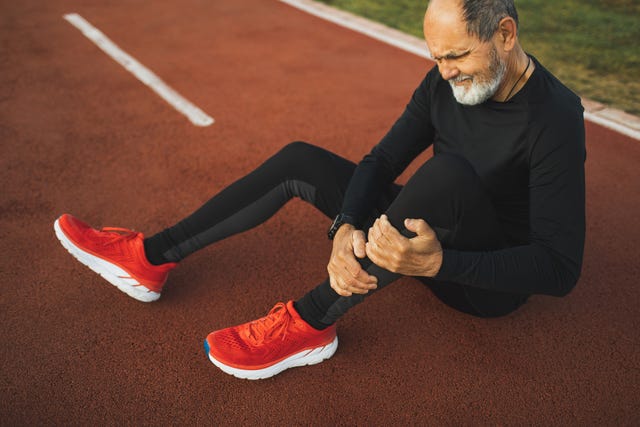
(496, 215)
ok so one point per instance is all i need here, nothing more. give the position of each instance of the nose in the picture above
(447, 71)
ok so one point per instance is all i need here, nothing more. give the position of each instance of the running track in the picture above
(81, 135)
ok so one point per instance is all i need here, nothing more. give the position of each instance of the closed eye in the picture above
(451, 56)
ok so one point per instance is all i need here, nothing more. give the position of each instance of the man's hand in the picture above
(418, 256)
(345, 273)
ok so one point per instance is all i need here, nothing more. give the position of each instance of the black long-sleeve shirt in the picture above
(529, 153)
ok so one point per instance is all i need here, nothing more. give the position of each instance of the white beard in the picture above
(479, 91)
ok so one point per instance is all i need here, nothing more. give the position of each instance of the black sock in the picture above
(314, 305)
(153, 250)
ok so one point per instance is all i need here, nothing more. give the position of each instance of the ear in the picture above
(507, 33)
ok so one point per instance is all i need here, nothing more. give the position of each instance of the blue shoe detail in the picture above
(206, 347)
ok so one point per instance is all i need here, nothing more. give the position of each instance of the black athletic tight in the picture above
(445, 192)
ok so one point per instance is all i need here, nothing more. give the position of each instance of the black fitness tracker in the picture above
(339, 221)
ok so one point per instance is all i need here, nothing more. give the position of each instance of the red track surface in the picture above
(81, 135)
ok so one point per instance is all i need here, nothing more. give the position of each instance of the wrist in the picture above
(436, 264)
(344, 229)
(338, 222)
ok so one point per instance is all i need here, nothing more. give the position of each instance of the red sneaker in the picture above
(117, 254)
(268, 346)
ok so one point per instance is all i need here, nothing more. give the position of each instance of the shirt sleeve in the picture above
(551, 262)
(411, 134)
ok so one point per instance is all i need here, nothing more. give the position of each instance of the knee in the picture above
(297, 160)
(443, 179)
(450, 172)
(452, 166)
(298, 151)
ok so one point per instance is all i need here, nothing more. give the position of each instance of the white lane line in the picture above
(142, 73)
(418, 47)
(362, 25)
(613, 125)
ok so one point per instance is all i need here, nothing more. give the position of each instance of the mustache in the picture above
(460, 78)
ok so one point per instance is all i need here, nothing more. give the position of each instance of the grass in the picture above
(591, 45)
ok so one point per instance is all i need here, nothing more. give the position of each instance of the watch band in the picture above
(338, 222)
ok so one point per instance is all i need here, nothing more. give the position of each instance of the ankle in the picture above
(153, 256)
(309, 315)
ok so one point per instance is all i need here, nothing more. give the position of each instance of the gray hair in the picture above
(483, 16)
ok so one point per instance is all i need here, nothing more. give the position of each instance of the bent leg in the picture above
(464, 219)
(447, 193)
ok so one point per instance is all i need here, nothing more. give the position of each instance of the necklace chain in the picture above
(519, 78)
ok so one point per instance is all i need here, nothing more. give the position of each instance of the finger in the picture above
(418, 226)
(373, 234)
(353, 273)
(346, 274)
(391, 234)
(361, 284)
(358, 291)
(376, 254)
(370, 280)
(339, 290)
(359, 278)
(374, 231)
(344, 292)
(358, 244)
(378, 235)
(352, 286)
(386, 227)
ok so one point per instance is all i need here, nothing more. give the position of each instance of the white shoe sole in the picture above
(307, 357)
(109, 271)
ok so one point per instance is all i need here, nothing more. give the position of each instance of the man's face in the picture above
(473, 68)
(473, 89)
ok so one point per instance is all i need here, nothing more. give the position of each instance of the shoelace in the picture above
(265, 328)
(118, 234)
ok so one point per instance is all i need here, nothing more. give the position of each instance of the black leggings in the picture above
(445, 191)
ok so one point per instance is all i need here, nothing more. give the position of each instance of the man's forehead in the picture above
(444, 11)
(444, 40)
(445, 30)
